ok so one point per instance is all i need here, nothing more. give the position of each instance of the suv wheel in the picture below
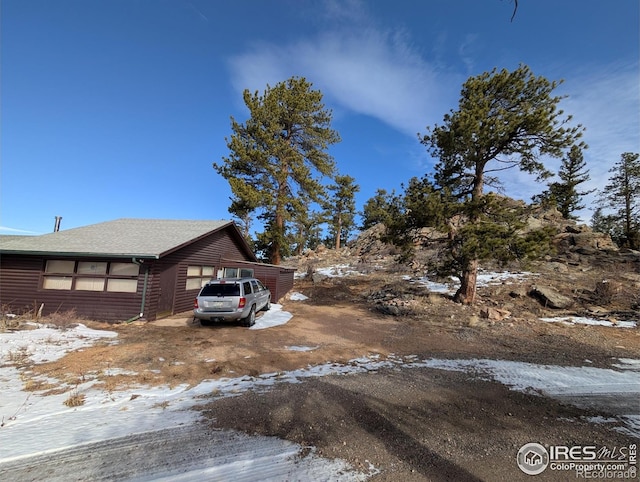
(250, 319)
(267, 307)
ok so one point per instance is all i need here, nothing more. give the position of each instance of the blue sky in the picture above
(118, 108)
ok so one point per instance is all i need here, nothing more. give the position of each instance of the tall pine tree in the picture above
(504, 120)
(278, 156)
(564, 195)
(340, 209)
(621, 196)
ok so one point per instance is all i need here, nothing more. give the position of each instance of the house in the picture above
(128, 268)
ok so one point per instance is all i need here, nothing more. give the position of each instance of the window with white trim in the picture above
(90, 276)
(198, 276)
(58, 274)
(237, 273)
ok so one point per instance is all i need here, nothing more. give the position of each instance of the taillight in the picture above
(242, 302)
(195, 304)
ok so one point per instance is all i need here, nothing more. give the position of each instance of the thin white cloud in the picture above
(7, 230)
(360, 69)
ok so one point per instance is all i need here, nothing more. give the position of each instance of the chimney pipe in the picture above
(56, 226)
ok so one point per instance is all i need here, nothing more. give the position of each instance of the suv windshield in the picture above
(219, 289)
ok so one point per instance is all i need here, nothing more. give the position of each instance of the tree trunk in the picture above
(339, 231)
(466, 294)
(275, 247)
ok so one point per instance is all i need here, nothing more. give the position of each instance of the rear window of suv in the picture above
(221, 289)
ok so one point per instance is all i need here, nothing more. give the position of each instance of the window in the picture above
(124, 269)
(90, 267)
(122, 285)
(57, 282)
(90, 276)
(58, 274)
(123, 277)
(257, 286)
(197, 276)
(90, 284)
(59, 266)
(238, 273)
(219, 289)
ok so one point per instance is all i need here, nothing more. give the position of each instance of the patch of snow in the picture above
(295, 296)
(575, 385)
(581, 320)
(485, 278)
(337, 271)
(548, 379)
(431, 285)
(274, 317)
(302, 348)
(628, 364)
(44, 344)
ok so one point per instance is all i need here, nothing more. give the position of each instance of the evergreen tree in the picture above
(376, 209)
(308, 230)
(607, 224)
(564, 195)
(504, 120)
(622, 196)
(277, 156)
(340, 209)
(420, 205)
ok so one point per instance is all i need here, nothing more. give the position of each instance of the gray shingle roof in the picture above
(146, 238)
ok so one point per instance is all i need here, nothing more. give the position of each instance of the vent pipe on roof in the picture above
(56, 226)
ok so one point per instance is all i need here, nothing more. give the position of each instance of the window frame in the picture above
(240, 272)
(89, 276)
(198, 276)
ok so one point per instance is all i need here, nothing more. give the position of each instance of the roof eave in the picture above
(83, 254)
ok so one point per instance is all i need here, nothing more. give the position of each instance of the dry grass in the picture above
(63, 320)
(33, 385)
(75, 399)
(20, 357)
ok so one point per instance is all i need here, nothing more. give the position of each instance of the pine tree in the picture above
(277, 156)
(340, 209)
(504, 120)
(564, 195)
(622, 196)
(376, 209)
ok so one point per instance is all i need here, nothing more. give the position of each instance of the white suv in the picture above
(229, 299)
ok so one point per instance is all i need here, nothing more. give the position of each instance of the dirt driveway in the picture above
(407, 423)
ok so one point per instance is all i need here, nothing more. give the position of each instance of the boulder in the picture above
(494, 314)
(550, 298)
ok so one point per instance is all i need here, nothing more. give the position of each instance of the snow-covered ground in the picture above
(336, 271)
(42, 433)
(485, 278)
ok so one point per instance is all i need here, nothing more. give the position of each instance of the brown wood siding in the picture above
(204, 252)
(21, 291)
(285, 281)
(278, 279)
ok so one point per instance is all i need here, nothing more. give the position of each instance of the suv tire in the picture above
(250, 319)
